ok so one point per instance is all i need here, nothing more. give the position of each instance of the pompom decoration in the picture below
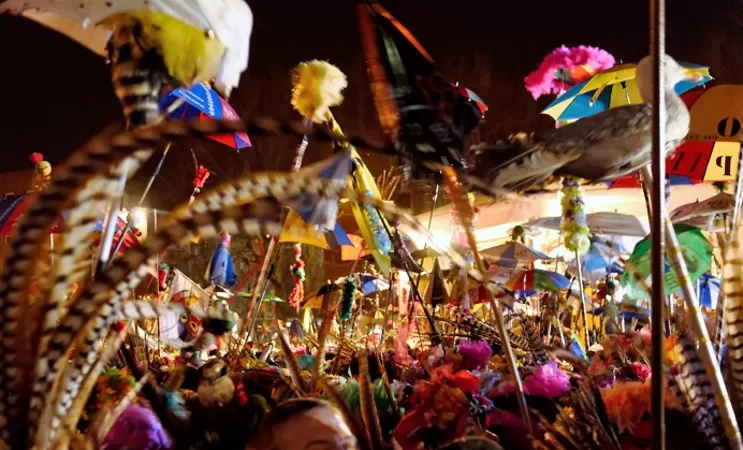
(518, 233)
(381, 238)
(42, 169)
(566, 67)
(317, 88)
(299, 274)
(138, 427)
(475, 355)
(573, 226)
(720, 186)
(349, 293)
(202, 174)
(546, 380)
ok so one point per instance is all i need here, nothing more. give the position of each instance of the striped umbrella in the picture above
(513, 254)
(610, 89)
(12, 210)
(708, 288)
(536, 279)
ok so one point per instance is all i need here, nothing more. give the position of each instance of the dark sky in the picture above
(57, 94)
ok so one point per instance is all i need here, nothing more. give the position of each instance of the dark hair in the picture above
(281, 414)
(472, 443)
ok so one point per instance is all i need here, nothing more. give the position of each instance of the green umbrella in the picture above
(697, 253)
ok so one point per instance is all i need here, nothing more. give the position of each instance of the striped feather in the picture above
(694, 379)
(474, 326)
(733, 289)
(292, 364)
(329, 307)
(532, 334)
(223, 208)
(137, 74)
(368, 406)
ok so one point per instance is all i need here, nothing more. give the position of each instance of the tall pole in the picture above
(658, 163)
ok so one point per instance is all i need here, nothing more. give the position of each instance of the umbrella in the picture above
(203, 102)
(721, 203)
(372, 283)
(697, 252)
(230, 21)
(426, 252)
(536, 279)
(614, 224)
(609, 89)
(708, 289)
(601, 255)
(13, 208)
(512, 254)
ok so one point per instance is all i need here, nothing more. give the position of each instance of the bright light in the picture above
(138, 216)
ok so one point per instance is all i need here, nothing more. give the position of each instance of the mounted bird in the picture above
(598, 148)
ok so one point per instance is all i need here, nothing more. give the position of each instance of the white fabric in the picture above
(230, 20)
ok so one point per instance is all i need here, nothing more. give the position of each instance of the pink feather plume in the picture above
(545, 80)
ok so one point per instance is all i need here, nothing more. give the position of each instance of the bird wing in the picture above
(616, 123)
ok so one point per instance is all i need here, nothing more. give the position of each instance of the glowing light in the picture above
(138, 216)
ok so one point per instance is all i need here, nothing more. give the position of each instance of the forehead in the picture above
(320, 428)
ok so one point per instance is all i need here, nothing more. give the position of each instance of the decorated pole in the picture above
(317, 88)
(465, 214)
(658, 209)
(577, 240)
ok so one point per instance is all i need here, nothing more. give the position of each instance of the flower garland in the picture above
(300, 274)
(573, 223)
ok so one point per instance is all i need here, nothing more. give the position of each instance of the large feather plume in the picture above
(318, 86)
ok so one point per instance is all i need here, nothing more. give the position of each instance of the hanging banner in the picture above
(297, 230)
(182, 329)
(706, 160)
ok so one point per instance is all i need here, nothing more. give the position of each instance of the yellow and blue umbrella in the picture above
(610, 89)
(513, 254)
(536, 280)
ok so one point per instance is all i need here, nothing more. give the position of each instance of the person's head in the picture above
(304, 424)
(472, 443)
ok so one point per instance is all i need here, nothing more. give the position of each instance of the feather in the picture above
(103, 301)
(733, 289)
(368, 406)
(329, 309)
(699, 390)
(290, 359)
(318, 86)
(532, 333)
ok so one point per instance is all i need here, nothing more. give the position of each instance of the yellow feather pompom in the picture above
(318, 86)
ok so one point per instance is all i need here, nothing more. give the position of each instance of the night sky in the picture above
(57, 94)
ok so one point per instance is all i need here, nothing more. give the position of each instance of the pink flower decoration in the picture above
(547, 380)
(475, 355)
(577, 63)
(640, 370)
